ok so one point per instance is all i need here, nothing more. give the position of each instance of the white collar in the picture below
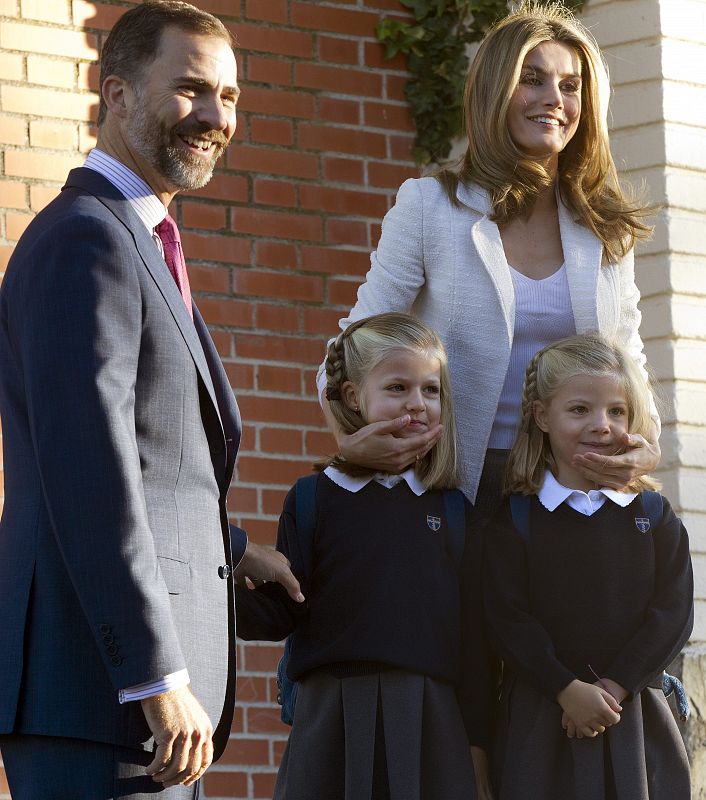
(386, 479)
(553, 494)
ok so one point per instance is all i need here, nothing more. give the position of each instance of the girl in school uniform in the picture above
(589, 597)
(396, 687)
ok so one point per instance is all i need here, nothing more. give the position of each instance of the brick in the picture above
(89, 77)
(44, 166)
(231, 188)
(271, 131)
(375, 231)
(273, 500)
(276, 224)
(87, 137)
(13, 194)
(344, 112)
(384, 115)
(274, 40)
(319, 443)
(252, 469)
(342, 293)
(209, 279)
(321, 321)
(282, 319)
(343, 140)
(402, 148)
(338, 51)
(275, 409)
(273, 162)
(223, 342)
(240, 376)
(280, 440)
(269, 70)
(254, 689)
(16, 224)
(11, 66)
(389, 5)
(41, 196)
(274, 193)
(275, 254)
(269, 11)
(345, 231)
(247, 438)
(13, 130)
(226, 312)
(263, 784)
(62, 105)
(8, 8)
(246, 751)
(238, 721)
(45, 10)
(279, 102)
(225, 784)
(96, 15)
(279, 379)
(51, 41)
(334, 20)
(342, 201)
(220, 8)
(337, 79)
(335, 261)
(216, 248)
(4, 788)
(343, 170)
(390, 175)
(51, 71)
(275, 284)
(53, 135)
(278, 748)
(261, 658)
(243, 500)
(203, 215)
(395, 86)
(259, 531)
(5, 253)
(374, 57)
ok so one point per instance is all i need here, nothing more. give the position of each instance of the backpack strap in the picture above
(455, 508)
(520, 510)
(305, 496)
(652, 507)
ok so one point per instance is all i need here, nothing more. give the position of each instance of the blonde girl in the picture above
(589, 597)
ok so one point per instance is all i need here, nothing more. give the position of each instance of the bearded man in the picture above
(120, 431)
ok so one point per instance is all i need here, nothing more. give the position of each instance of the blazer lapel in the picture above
(583, 252)
(95, 184)
(489, 246)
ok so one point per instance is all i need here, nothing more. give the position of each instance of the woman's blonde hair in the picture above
(547, 372)
(587, 177)
(355, 352)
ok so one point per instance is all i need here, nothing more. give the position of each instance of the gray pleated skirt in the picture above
(641, 758)
(390, 735)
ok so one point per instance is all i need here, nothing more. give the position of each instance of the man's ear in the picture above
(539, 410)
(350, 395)
(114, 91)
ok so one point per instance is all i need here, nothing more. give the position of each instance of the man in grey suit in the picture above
(120, 431)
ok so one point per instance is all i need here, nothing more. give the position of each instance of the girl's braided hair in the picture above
(549, 369)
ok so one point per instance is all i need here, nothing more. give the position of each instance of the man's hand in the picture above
(182, 732)
(378, 445)
(639, 457)
(588, 709)
(260, 564)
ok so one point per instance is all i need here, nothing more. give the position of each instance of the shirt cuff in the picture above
(174, 680)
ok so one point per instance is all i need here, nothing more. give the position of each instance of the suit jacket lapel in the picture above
(104, 191)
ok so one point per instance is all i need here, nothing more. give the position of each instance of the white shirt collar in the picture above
(144, 202)
(553, 494)
(387, 480)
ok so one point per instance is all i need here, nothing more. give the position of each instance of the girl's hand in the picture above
(639, 457)
(590, 708)
(618, 692)
(568, 725)
(480, 767)
(379, 445)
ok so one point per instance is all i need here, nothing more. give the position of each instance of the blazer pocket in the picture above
(176, 574)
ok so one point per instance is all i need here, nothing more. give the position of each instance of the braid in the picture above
(529, 390)
(335, 367)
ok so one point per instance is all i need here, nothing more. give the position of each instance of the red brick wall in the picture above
(276, 243)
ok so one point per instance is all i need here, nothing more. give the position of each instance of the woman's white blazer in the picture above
(447, 266)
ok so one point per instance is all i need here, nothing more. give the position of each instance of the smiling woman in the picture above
(526, 240)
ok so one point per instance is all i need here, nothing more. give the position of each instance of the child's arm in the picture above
(668, 619)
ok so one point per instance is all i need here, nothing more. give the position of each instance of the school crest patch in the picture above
(433, 522)
(642, 524)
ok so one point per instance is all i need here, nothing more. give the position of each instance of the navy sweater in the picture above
(384, 591)
(586, 593)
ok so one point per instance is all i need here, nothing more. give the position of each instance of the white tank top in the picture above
(543, 314)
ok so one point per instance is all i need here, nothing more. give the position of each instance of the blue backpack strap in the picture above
(652, 507)
(520, 510)
(455, 508)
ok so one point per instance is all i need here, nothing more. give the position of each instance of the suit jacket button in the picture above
(112, 649)
(224, 571)
(117, 661)
(108, 638)
(104, 628)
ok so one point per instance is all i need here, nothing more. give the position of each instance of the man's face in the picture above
(182, 113)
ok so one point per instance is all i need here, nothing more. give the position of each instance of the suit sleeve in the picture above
(76, 334)
(522, 640)
(669, 617)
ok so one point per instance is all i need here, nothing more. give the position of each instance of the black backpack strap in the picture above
(455, 508)
(652, 508)
(520, 510)
(305, 495)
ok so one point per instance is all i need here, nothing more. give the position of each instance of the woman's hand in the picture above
(380, 446)
(639, 457)
(480, 767)
(589, 708)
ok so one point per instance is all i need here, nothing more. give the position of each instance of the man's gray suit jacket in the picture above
(120, 433)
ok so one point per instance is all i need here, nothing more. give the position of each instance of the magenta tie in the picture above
(174, 256)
